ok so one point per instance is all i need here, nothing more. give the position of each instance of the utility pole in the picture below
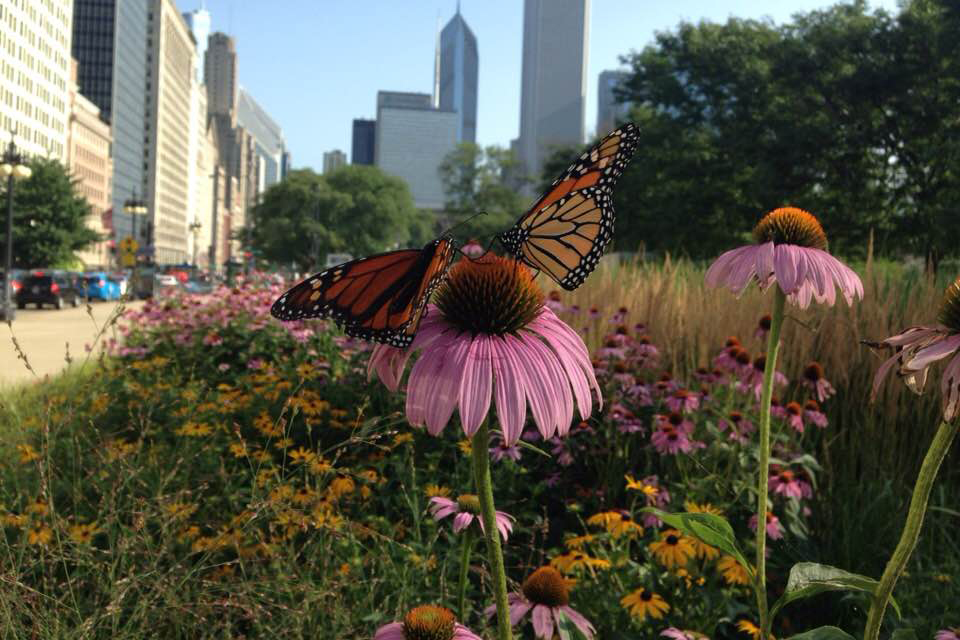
(213, 228)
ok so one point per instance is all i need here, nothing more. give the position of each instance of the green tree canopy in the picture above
(49, 217)
(475, 180)
(356, 209)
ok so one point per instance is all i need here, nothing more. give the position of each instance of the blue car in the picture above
(97, 285)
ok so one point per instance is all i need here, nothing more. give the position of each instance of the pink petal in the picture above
(575, 359)
(504, 524)
(446, 388)
(511, 405)
(950, 389)
(734, 269)
(392, 631)
(388, 363)
(787, 263)
(462, 520)
(882, 373)
(553, 375)
(914, 335)
(543, 622)
(582, 623)
(421, 382)
(460, 632)
(932, 353)
(518, 609)
(532, 379)
(476, 386)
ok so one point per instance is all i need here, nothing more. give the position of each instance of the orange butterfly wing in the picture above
(380, 298)
(567, 230)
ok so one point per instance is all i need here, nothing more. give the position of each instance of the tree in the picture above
(357, 209)
(475, 181)
(49, 218)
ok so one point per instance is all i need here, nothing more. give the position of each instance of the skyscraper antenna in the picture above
(458, 7)
(436, 68)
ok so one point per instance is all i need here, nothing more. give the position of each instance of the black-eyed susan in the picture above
(301, 455)
(733, 572)
(574, 560)
(673, 549)
(83, 533)
(749, 628)
(40, 535)
(578, 542)
(643, 602)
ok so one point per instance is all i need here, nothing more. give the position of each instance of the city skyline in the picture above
(286, 55)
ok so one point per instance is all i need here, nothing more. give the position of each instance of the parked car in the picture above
(198, 287)
(99, 286)
(122, 281)
(55, 288)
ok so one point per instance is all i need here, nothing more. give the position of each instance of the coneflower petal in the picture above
(543, 622)
(477, 384)
(950, 388)
(509, 396)
(933, 352)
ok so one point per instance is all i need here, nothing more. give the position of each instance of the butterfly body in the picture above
(380, 298)
(566, 231)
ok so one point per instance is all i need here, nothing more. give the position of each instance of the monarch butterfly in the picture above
(380, 298)
(566, 231)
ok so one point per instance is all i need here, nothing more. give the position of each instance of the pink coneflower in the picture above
(776, 408)
(620, 315)
(795, 416)
(612, 348)
(546, 595)
(490, 334)
(678, 634)
(763, 327)
(501, 450)
(472, 249)
(774, 530)
(593, 313)
(789, 484)
(813, 414)
(791, 251)
(738, 424)
(554, 302)
(672, 435)
(561, 452)
(465, 510)
(665, 384)
(753, 377)
(683, 401)
(951, 633)
(813, 378)
(426, 622)
(919, 348)
(641, 394)
(623, 375)
(644, 348)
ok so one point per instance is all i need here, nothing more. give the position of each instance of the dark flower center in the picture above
(469, 503)
(811, 405)
(547, 587)
(732, 341)
(611, 344)
(555, 296)
(790, 225)
(428, 622)
(490, 295)
(736, 417)
(813, 372)
(672, 540)
(622, 330)
(950, 309)
(675, 419)
(681, 394)
(794, 408)
(786, 476)
(646, 596)
(764, 322)
(760, 363)
(741, 356)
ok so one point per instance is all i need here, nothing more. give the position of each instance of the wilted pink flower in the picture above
(738, 425)
(789, 484)
(545, 595)
(620, 316)
(683, 401)
(919, 348)
(763, 327)
(813, 414)
(671, 435)
(752, 379)
(489, 334)
(561, 452)
(472, 249)
(774, 530)
(501, 450)
(813, 378)
(791, 251)
(464, 510)
(795, 416)
(612, 348)
(426, 621)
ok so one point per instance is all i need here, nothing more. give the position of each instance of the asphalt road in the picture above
(46, 335)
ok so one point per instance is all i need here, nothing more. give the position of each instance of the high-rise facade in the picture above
(412, 140)
(333, 160)
(269, 143)
(199, 23)
(610, 111)
(35, 75)
(91, 167)
(457, 81)
(363, 142)
(170, 86)
(553, 79)
(110, 45)
(220, 75)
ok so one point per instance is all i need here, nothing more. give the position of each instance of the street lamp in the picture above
(195, 227)
(134, 207)
(12, 167)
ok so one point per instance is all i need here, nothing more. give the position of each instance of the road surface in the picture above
(45, 335)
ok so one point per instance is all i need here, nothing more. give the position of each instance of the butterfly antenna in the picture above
(463, 222)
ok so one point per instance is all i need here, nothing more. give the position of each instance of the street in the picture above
(45, 335)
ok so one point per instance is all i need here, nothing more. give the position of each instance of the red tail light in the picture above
(54, 288)
(16, 285)
(38, 273)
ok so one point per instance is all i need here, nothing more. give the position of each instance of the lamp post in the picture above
(195, 227)
(134, 207)
(12, 167)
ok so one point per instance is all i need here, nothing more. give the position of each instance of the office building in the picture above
(170, 86)
(91, 167)
(610, 111)
(110, 45)
(220, 76)
(457, 82)
(412, 140)
(35, 75)
(269, 143)
(333, 160)
(364, 141)
(553, 79)
(199, 23)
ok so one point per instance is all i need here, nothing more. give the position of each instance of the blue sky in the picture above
(315, 65)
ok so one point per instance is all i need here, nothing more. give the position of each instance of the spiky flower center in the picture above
(764, 323)
(789, 225)
(794, 408)
(760, 363)
(950, 309)
(489, 295)
(811, 405)
(645, 595)
(813, 372)
(741, 356)
(736, 417)
(470, 503)
(547, 587)
(429, 622)
(672, 540)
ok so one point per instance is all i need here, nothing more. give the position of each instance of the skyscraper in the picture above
(110, 45)
(268, 139)
(364, 138)
(199, 23)
(554, 79)
(333, 160)
(220, 75)
(609, 110)
(458, 76)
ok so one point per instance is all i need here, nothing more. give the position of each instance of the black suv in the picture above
(48, 288)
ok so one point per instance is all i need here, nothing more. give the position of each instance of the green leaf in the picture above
(823, 633)
(708, 528)
(809, 579)
(569, 631)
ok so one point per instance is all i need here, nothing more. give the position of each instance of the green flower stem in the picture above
(911, 530)
(465, 549)
(481, 474)
(773, 348)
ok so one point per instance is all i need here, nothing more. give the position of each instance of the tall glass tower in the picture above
(458, 76)
(110, 45)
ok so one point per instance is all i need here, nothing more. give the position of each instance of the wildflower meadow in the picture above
(680, 450)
